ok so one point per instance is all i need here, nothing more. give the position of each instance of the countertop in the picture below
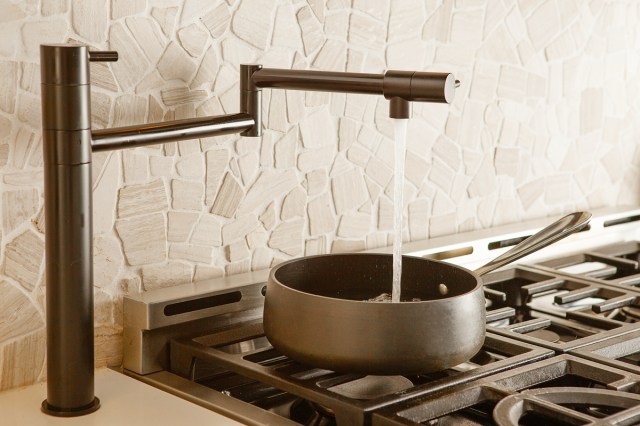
(124, 401)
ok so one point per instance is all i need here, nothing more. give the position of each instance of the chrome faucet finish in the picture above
(68, 142)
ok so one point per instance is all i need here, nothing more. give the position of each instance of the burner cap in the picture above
(371, 387)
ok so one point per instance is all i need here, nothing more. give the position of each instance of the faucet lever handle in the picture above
(103, 56)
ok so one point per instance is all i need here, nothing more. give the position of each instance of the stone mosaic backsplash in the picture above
(545, 121)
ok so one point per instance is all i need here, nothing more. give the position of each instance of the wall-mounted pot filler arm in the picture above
(68, 142)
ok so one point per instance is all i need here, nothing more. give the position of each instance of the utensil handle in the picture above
(552, 233)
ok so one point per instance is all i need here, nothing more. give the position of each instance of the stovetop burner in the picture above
(557, 311)
(563, 390)
(252, 371)
(616, 265)
(562, 343)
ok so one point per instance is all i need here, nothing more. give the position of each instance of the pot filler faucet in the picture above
(68, 142)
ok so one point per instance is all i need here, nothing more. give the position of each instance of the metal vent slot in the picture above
(449, 254)
(203, 303)
(622, 220)
(494, 245)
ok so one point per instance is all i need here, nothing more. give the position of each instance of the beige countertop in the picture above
(124, 401)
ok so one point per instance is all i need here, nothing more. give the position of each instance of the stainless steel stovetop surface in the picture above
(562, 345)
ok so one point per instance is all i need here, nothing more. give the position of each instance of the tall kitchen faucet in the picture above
(68, 142)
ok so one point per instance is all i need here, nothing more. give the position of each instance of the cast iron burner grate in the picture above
(241, 363)
(564, 390)
(556, 311)
(616, 265)
(621, 352)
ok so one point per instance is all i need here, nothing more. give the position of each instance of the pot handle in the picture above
(549, 235)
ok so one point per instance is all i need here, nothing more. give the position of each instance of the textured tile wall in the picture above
(545, 121)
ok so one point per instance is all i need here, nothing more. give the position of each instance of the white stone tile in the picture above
(166, 18)
(89, 19)
(270, 185)
(484, 182)
(122, 8)
(312, 34)
(236, 52)
(332, 56)
(293, 205)
(190, 253)
(208, 231)
(321, 215)
(176, 64)
(285, 150)
(135, 167)
(191, 166)
(354, 225)
(438, 25)
(49, 7)
(376, 240)
(228, 197)
(148, 37)
(348, 246)
(129, 110)
(107, 261)
(543, 24)
(507, 161)
(22, 360)
(288, 237)
(207, 272)
(17, 207)
(416, 169)
(226, 78)
(557, 189)
(193, 9)
(378, 172)
(167, 275)
(318, 129)
(22, 179)
(23, 259)
(132, 63)
(513, 83)
(366, 32)
(315, 246)
(239, 228)
(442, 225)
(217, 21)
(187, 195)
(143, 238)
(286, 32)
(217, 160)
(237, 251)
(142, 199)
(25, 141)
(160, 166)
(295, 106)
(611, 162)
(17, 311)
(419, 213)
(591, 110)
(530, 192)
(179, 225)
(238, 267)
(261, 259)
(193, 39)
(268, 216)
(317, 158)
(277, 116)
(358, 155)
(252, 22)
(349, 191)
(257, 238)
(495, 49)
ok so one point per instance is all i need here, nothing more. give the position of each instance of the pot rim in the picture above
(273, 280)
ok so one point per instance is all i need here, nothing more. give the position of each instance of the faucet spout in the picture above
(401, 87)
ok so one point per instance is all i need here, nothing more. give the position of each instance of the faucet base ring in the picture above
(70, 412)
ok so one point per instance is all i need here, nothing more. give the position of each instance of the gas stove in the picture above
(562, 342)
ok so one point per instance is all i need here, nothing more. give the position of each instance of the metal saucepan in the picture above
(316, 311)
